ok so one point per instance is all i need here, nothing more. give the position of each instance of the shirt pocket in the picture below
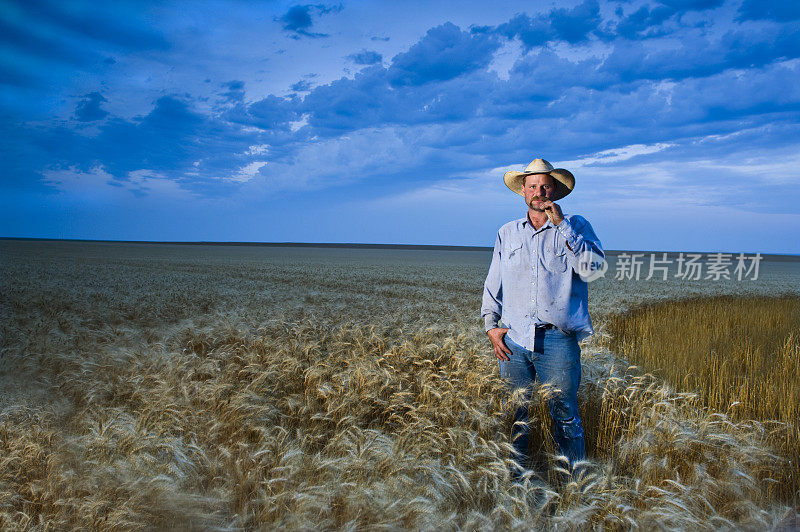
(556, 256)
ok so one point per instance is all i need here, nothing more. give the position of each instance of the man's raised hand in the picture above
(553, 211)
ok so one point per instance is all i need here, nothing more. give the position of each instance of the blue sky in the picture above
(393, 122)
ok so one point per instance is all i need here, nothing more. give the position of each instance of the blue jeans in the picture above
(555, 360)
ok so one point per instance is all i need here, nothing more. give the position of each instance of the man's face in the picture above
(538, 185)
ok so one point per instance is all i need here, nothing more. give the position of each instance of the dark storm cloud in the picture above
(576, 24)
(648, 20)
(589, 120)
(369, 100)
(644, 22)
(365, 57)
(350, 104)
(173, 139)
(162, 140)
(651, 60)
(270, 113)
(744, 49)
(445, 52)
(301, 86)
(559, 24)
(432, 81)
(544, 75)
(89, 108)
(298, 20)
(234, 92)
(769, 91)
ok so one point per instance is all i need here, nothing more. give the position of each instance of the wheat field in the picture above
(741, 354)
(236, 388)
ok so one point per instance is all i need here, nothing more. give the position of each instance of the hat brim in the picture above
(564, 180)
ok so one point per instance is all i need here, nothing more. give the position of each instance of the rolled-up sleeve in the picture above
(492, 305)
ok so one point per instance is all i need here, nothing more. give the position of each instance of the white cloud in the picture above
(258, 149)
(101, 185)
(777, 166)
(297, 124)
(246, 173)
(332, 162)
(616, 155)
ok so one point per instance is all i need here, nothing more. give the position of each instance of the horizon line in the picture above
(352, 245)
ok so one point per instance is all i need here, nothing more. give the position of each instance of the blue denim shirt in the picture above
(532, 278)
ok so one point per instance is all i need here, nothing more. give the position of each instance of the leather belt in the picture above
(545, 326)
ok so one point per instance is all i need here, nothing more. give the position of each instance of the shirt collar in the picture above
(527, 222)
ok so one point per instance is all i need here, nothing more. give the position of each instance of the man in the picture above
(534, 288)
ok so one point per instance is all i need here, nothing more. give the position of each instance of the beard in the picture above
(536, 198)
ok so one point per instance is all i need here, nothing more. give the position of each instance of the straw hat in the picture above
(564, 179)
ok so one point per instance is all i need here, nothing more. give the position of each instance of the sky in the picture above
(394, 122)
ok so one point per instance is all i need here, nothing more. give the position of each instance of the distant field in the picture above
(242, 387)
